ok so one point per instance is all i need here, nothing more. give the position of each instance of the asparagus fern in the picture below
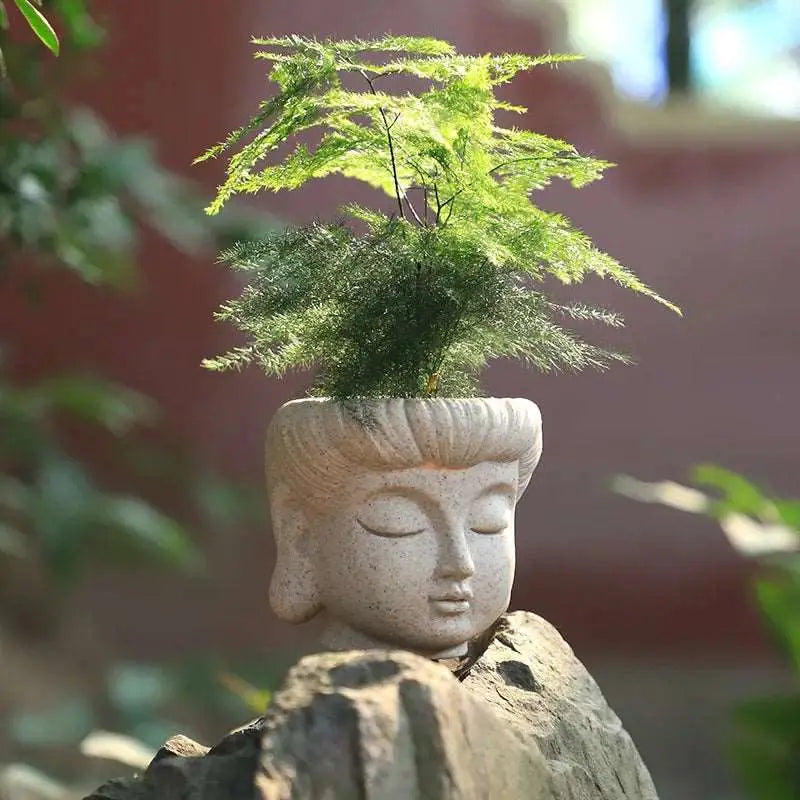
(413, 300)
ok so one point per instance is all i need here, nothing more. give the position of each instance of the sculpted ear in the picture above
(293, 590)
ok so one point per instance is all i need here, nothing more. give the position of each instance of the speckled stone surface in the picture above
(395, 518)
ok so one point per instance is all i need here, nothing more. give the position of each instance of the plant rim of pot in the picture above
(399, 433)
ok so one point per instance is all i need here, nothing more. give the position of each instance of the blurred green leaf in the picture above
(39, 25)
(766, 747)
(128, 526)
(65, 724)
(82, 28)
(12, 542)
(74, 194)
(756, 525)
(59, 510)
(789, 512)
(226, 503)
(3, 17)
(779, 600)
(138, 689)
(141, 695)
(667, 493)
(114, 407)
(255, 700)
(754, 538)
(197, 680)
(73, 520)
(739, 494)
(786, 563)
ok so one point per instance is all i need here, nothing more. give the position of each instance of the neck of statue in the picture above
(338, 636)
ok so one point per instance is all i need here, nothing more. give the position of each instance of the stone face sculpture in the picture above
(395, 518)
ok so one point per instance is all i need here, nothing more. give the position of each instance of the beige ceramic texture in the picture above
(395, 518)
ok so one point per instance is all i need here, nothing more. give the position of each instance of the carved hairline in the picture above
(314, 446)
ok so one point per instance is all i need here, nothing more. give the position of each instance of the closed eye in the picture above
(489, 530)
(388, 534)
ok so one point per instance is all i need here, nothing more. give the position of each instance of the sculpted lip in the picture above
(452, 601)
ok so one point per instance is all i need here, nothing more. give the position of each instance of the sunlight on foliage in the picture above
(36, 21)
(420, 302)
(81, 29)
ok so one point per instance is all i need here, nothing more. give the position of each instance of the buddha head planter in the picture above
(395, 518)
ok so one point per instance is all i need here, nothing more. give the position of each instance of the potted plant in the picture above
(392, 490)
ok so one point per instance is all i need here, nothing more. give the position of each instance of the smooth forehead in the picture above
(436, 479)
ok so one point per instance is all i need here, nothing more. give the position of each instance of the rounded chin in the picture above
(442, 641)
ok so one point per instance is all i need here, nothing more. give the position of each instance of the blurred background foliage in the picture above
(765, 737)
(73, 196)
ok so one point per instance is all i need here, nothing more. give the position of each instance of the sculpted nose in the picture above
(455, 560)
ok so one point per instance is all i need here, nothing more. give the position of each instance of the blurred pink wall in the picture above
(712, 227)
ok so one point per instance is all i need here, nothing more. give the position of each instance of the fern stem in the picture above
(438, 203)
(519, 160)
(451, 202)
(391, 147)
(424, 187)
(413, 210)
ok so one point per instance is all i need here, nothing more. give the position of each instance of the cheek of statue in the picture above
(425, 562)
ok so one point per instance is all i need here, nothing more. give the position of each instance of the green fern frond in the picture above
(580, 311)
(424, 299)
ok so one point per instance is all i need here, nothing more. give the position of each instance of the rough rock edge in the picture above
(540, 687)
(522, 668)
(385, 725)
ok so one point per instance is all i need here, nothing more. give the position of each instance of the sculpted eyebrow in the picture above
(499, 488)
